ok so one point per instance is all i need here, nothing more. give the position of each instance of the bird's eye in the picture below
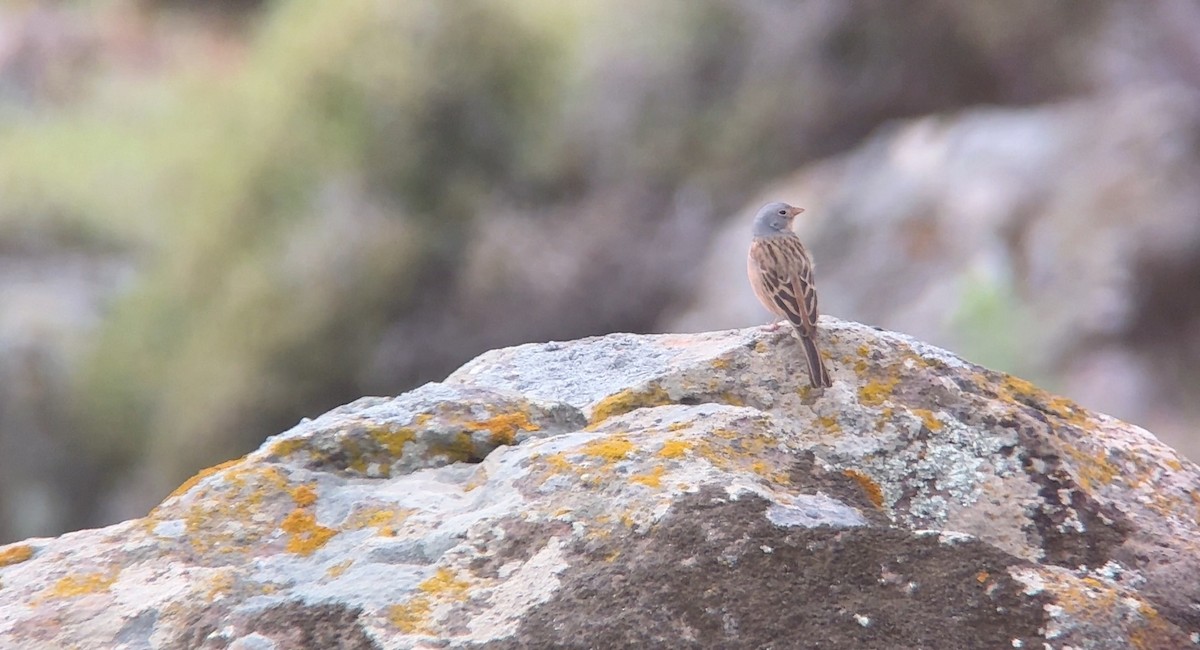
(783, 213)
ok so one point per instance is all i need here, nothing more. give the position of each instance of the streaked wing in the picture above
(786, 274)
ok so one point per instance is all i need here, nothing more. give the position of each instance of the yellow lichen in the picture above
(444, 583)
(629, 400)
(767, 471)
(869, 487)
(391, 439)
(829, 423)
(675, 448)
(612, 448)
(284, 448)
(413, 616)
(410, 617)
(305, 535)
(929, 419)
(15, 554)
(731, 399)
(653, 478)
(338, 569)
(89, 583)
(557, 462)
(479, 477)
(876, 392)
(220, 584)
(726, 433)
(1015, 388)
(383, 520)
(1093, 469)
(460, 449)
(227, 515)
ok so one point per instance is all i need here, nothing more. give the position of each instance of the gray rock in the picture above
(1056, 242)
(655, 491)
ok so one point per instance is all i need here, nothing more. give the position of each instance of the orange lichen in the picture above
(876, 392)
(305, 535)
(629, 400)
(675, 448)
(304, 495)
(982, 577)
(201, 475)
(611, 449)
(653, 478)
(504, 427)
(869, 487)
(15, 554)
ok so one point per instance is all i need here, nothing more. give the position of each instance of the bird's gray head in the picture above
(775, 219)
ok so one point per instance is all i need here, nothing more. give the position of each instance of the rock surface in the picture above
(1057, 242)
(655, 491)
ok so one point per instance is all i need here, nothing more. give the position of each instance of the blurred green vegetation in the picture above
(364, 122)
(995, 326)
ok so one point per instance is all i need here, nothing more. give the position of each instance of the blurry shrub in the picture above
(301, 205)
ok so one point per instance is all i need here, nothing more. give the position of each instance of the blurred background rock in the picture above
(219, 217)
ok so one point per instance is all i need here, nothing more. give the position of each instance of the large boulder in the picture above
(1057, 242)
(655, 491)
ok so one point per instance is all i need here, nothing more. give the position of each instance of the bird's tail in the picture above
(817, 375)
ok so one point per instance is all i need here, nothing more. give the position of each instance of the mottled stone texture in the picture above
(683, 491)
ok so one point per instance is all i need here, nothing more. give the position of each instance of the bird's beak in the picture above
(796, 211)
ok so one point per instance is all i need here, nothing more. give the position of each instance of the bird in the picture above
(781, 274)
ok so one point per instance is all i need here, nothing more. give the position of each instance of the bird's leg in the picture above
(774, 327)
